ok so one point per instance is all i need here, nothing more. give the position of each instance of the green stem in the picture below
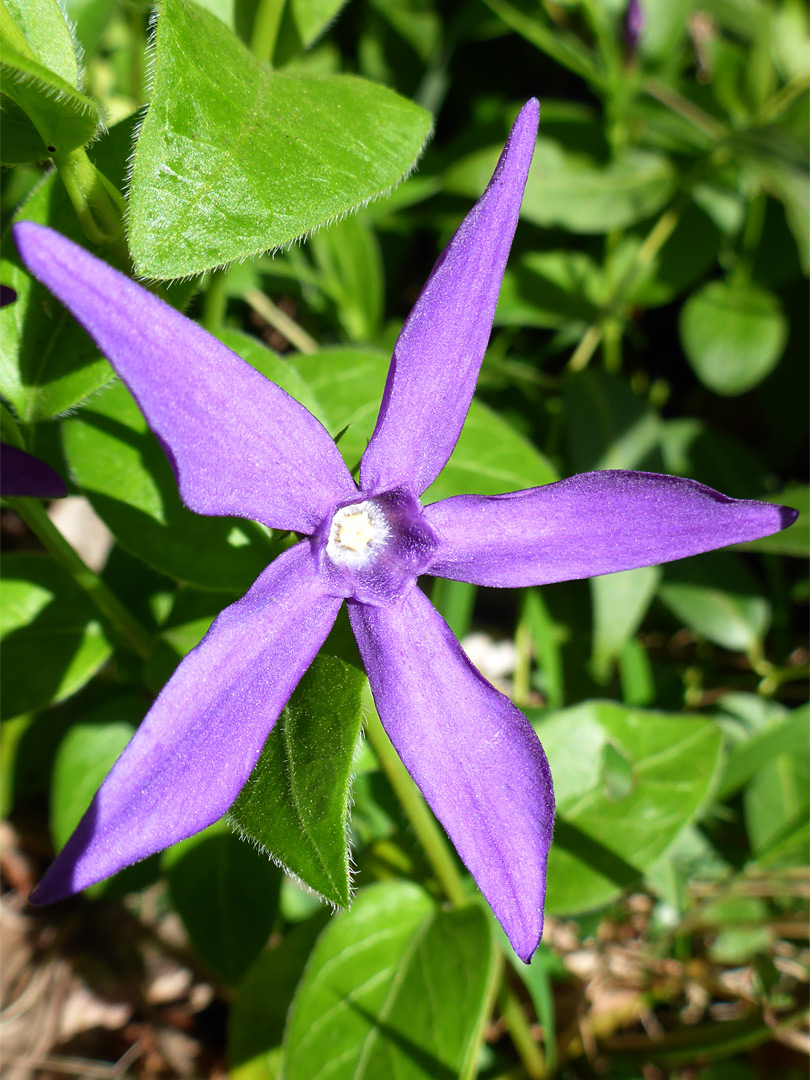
(653, 242)
(10, 429)
(98, 205)
(523, 665)
(612, 346)
(215, 302)
(424, 824)
(441, 858)
(287, 327)
(129, 628)
(751, 236)
(265, 29)
(685, 108)
(525, 1043)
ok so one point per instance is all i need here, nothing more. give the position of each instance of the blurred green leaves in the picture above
(733, 335)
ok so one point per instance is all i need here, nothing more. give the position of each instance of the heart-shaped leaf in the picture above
(246, 159)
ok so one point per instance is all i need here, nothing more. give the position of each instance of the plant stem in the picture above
(215, 301)
(526, 1045)
(441, 858)
(424, 824)
(98, 204)
(10, 429)
(265, 29)
(127, 626)
(653, 242)
(289, 328)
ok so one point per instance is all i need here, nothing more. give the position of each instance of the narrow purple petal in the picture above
(475, 757)
(237, 442)
(198, 744)
(594, 523)
(23, 474)
(634, 22)
(439, 351)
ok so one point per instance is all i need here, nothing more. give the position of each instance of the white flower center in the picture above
(356, 534)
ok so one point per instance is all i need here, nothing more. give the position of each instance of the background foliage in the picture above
(653, 316)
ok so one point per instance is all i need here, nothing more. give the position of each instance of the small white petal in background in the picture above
(81, 526)
(496, 660)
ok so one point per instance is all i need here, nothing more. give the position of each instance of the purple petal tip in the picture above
(22, 475)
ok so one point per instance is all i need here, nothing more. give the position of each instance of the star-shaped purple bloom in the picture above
(240, 445)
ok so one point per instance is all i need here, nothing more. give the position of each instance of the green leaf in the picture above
(691, 448)
(47, 362)
(302, 21)
(349, 259)
(777, 798)
(226, 893)
(608, 426)
(717, 597)
(52, 640)
(296, 802)
(733, 335)
(258, 1013)
(85, 755)
(490, 457)
(22, 142)
(48, 36)
(184, 627)
(38, 31)
(12, 734)
(125, 474)
(791, 186)
(219, 176)
(785, 737)
(550, 289)
(627, 781)
(395, 987)
(63, 117)
(686, 257)
(573, 191)
(620, 602)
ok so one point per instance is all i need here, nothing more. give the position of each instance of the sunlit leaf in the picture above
(246, 159)
(377, 983)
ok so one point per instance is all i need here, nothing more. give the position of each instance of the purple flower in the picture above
(23, 474)
(634, 21)
(240, 445)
